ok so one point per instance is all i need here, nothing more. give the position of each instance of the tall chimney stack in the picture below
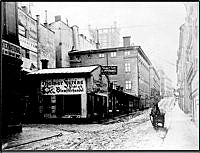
(45, 23)
(57, 18)
(126, 41)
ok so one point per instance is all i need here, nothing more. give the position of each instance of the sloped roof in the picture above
(68, 70)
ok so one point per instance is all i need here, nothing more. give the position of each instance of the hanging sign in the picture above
(11, 49)
(63, 86)
(109, 70)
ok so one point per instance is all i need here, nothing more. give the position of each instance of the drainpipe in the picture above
(38, 40)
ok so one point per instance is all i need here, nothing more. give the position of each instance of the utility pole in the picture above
(38, 40)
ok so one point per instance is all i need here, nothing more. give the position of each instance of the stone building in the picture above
(36, 41)
(46, 47)
(11, 60)
(132, 66)
(67, 38)
(187, 62)
(27, 27)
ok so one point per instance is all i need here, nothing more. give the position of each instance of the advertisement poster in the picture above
(63, 86)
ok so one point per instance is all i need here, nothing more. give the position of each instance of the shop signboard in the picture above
(109, 70)
(28, 23)
(67, 86)
(27, 31)
(28, 43)
(11, 49)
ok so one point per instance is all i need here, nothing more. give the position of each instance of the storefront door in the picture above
(67, 105)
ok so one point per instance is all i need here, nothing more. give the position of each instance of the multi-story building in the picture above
(11, 61)
(106, 37)
(154, 82)
(67, 39)
(36, 41)
(46, 47)
(28, 39)
(132, 66)
(187, 63)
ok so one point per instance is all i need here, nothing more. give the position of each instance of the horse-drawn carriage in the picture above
(157, 118)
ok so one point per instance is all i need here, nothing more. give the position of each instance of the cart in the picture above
(157, 120)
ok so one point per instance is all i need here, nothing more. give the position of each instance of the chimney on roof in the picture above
(25, 9)
(46, 23)
(126, 41)
(57, 18)
(44, 63)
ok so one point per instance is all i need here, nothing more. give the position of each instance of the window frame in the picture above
(127, 67)
(127, 52)
(113, 54)
(128, 85)
(101, 55)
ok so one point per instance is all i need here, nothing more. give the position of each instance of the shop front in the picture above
(64, 98)
(62, 93)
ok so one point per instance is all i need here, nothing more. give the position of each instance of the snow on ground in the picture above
(128, 134)
(182, 133)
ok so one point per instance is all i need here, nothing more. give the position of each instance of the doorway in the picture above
(68, 105)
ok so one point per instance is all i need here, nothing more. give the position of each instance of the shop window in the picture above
(101, 55)
(128, 85)
(127, 67)
(113, 54)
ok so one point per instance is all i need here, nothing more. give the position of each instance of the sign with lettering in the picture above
(28, 23)
(11, 49)
(28, 43)
(109, 70)
(63, 86)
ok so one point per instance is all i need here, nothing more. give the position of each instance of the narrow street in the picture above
(135, 133)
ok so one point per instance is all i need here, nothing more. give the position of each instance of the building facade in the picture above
(132, 67)
(11, 70)
(187, 63)
(66, 39)
(27, 27)
(46, 47)
(65, 93)
(154, 82)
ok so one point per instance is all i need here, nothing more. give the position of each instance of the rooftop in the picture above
(68, 70)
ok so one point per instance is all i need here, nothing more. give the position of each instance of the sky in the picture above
(152, 25)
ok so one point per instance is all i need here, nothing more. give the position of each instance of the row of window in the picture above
(114, 54)
(128, 85)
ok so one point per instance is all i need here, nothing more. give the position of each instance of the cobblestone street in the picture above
(128, 133)
(113, 136)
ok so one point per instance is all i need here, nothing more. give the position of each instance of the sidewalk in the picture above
(28, 135)
(182, 133)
